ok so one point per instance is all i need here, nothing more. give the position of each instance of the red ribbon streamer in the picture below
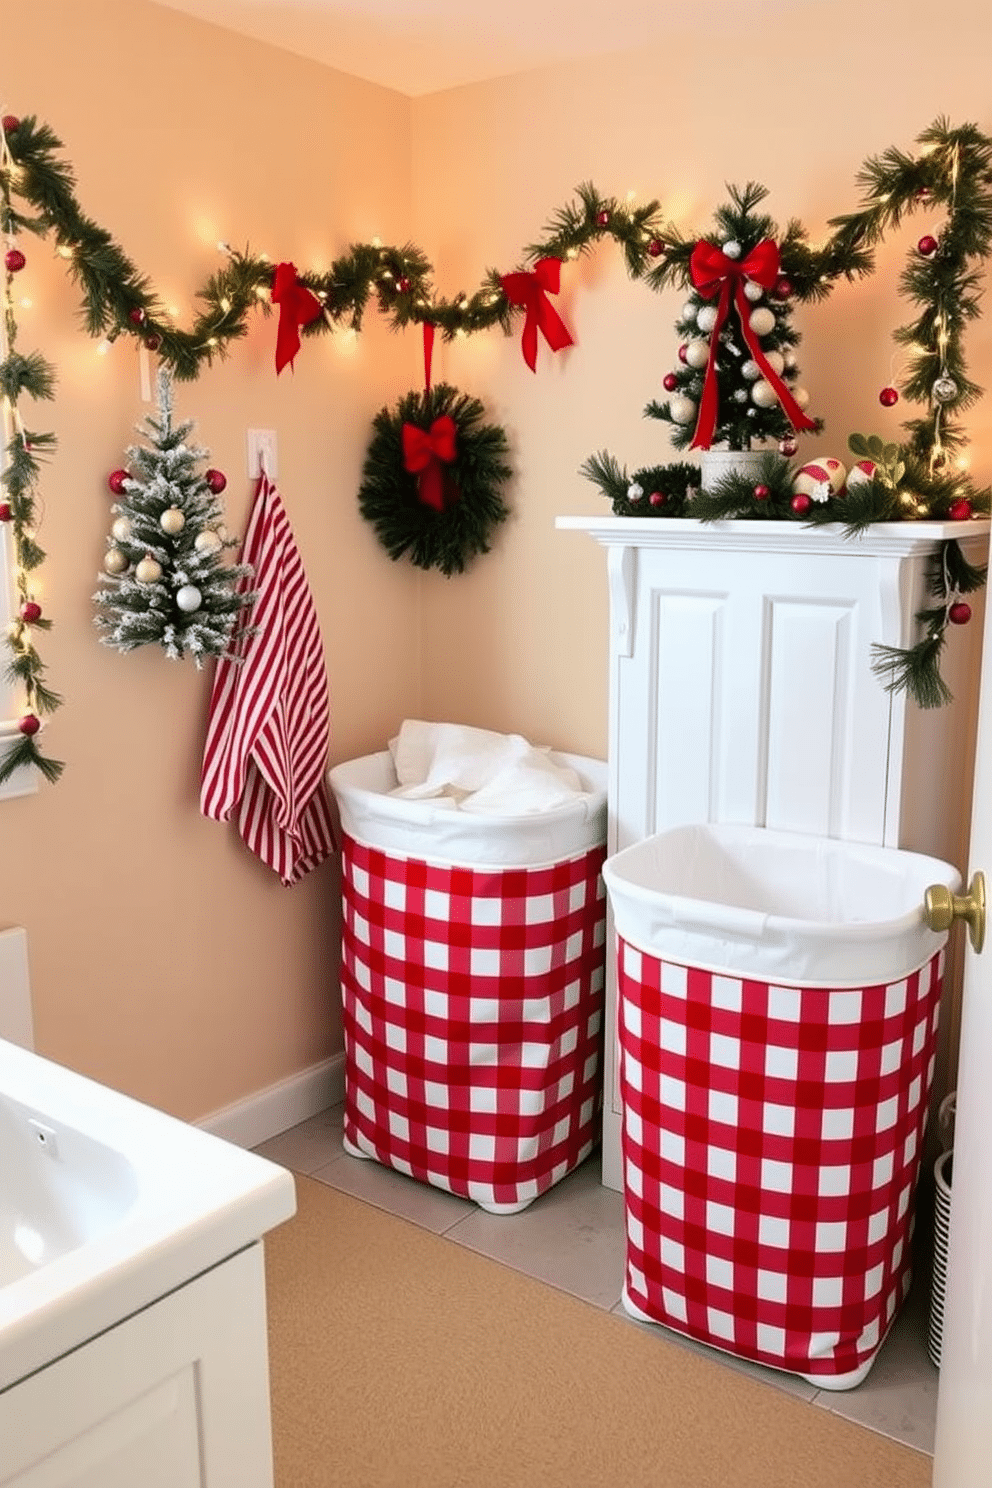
(425, 453)
(428, 352)
(297, 307)
(713, 273)
(531, 291)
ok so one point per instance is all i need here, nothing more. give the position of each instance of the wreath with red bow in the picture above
(433, 477)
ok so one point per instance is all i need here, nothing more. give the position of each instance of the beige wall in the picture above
(797, 104)
(164, 959)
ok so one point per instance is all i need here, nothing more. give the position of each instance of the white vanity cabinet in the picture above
(176, 1396)
(741, 690)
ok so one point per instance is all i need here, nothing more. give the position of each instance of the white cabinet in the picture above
(741, 690)
(176, 1396)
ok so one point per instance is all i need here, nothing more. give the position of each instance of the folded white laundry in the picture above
(473, 769)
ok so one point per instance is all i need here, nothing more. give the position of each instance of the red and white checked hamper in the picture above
(771, 1148)
(473, 1009)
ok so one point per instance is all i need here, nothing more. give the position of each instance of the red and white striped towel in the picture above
(268, 730)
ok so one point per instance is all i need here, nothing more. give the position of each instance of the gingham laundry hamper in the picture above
(473, 972)
(778, 1000)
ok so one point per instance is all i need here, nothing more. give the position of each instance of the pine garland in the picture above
(24, 449)
(951, 170)
(473, 507)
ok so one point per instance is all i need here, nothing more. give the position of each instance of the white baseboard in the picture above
(275, 1109)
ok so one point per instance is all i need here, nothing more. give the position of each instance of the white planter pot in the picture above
(717, 463)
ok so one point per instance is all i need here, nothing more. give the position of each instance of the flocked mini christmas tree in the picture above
(165, 575)
(735, 383)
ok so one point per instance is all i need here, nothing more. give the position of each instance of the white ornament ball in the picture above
(801, 396)
(740, 395)
(790, 360)
(763, 394)
(751, 371)
(682, 409)
(207, 541)
(697, 353)
(122, 529)
(819, 479)
(861, 474)
(762, 320)
(732, 249)
(189, 598)
(689, 310)
(172, 520)
(776, 361)
(148, 571)
(752, 291)
(706, 318)
(114, 561)
(634, 491)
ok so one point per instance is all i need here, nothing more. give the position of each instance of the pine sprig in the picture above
(650, 491)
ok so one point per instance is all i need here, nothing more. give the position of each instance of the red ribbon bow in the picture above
(424, 455)
(531, 291)
(713, 273)
(297, 307)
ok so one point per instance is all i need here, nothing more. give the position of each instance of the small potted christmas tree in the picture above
(735, 385)
(165, 576)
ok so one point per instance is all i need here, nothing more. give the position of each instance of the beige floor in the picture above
(572, 1238)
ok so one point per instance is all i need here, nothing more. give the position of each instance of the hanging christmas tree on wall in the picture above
(165, 575)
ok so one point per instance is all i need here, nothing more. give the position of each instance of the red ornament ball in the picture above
(669, 382)
(959, 613)
(761, 493)
(136, 316)
(782, 288)
(960, 510)
(683, 352)
(29, 724)
(216, 480)
(602, 218)
(14, 260)
(927, 246)
(116, 479)
(6, 511)
(153, 342)
(657, 498)
(800, 504)
(888, 396)
(10, 123)
(656, 247)
(30, 611)
(403, 284)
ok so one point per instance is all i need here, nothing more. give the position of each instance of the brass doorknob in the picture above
(941, 908)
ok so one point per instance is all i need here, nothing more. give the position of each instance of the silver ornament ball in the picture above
(189, 598)
(944, 390)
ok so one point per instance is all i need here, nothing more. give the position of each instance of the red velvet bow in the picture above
(297, 307)
(713, 273)
(424, 455)
(531, 291)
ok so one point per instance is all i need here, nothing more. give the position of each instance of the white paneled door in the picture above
(963, 1450)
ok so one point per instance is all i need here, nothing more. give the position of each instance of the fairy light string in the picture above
(20, 374)
(951, 167)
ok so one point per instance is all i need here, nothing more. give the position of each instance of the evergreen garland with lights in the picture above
(23, 448)
(950, 173)
(167, 581)
(446, 527)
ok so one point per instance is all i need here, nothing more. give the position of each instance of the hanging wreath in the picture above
(432, 478)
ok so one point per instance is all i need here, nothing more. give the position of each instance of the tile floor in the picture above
(573, 1238)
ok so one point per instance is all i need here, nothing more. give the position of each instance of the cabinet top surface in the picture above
(769, 536)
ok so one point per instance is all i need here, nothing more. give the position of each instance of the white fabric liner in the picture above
(538, 806)
(781, 906)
